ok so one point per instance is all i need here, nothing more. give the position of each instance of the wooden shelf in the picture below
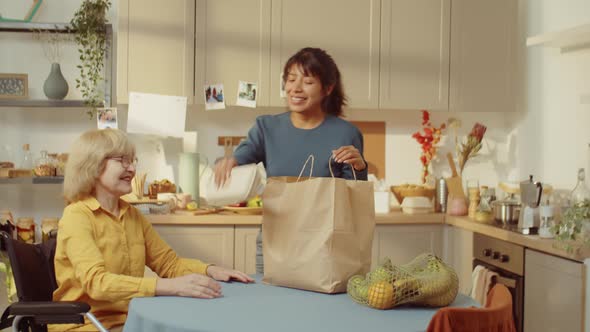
(33, 180)
(33, 26)
(36, 103)
(566, 40)
(30, 27)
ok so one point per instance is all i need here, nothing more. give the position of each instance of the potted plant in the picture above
(573, 233)
(89, 25)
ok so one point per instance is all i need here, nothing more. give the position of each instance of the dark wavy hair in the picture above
(316, 62)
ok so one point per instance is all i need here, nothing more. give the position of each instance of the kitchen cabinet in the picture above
(348, 31)
(155, 48)
(211, 244)
(232, 45)
(414, 71)
(553, 293)
(402, 243)
(483, 56)
(458, 253)
(245, 248)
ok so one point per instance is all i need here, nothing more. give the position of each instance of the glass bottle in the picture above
(581, 191)
(27, 161)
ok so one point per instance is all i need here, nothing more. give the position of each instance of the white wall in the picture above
(54, 129)
(557, 123)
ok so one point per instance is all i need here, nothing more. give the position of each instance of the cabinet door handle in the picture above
(508, 282)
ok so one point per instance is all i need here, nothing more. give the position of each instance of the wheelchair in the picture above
(34, 276)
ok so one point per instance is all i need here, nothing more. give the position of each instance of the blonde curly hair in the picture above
(87, 160)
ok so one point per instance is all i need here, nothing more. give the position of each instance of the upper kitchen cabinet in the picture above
(155, 48)
(348, 30)
(414, 54)
(483, 55)
(232, 45)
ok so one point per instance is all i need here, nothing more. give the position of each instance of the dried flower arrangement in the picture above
(428, 141)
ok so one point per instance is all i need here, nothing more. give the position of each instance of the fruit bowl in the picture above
(411, 190)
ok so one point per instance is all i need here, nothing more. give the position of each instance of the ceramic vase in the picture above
(55, 86)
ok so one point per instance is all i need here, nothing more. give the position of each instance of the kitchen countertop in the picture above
(530, 241)
(230, 218)
(393, 218)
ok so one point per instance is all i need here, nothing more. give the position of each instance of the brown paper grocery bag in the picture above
(317, 232)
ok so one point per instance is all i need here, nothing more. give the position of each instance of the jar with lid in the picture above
(25, 230)
(44, 166)
(48, 228)
(60, 164)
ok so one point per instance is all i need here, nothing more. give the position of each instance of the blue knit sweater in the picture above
(283, 148)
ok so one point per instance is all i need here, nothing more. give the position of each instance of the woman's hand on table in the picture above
(349, 155)
(223, 274)
(223, 169)
(190, 285)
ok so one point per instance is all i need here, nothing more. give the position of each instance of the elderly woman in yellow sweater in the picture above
(104, 244)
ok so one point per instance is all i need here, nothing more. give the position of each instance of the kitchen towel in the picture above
(488, 284)
(318, 232)
(478, 280)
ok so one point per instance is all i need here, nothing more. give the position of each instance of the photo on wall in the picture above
(214, 97)
(107, 118)
(247, 92)
(14, 86)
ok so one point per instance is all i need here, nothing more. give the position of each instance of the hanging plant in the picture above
(89, 24)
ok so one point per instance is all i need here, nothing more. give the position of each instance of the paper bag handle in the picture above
(332, 173)
(311, 157)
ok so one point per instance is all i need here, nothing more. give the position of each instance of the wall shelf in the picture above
(30, 27)
(41, 103)
(26, 27)
(33, 180)
(566, 40)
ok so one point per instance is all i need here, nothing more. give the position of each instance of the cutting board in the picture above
(15, 173)
(374, 145)
(454, 183)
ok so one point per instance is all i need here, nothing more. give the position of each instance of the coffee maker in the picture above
(530, 198)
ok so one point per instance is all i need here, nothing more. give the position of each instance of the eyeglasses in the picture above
(125, 161)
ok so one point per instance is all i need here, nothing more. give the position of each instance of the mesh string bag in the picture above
(425, 281)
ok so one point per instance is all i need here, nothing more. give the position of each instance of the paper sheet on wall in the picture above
(154, 114)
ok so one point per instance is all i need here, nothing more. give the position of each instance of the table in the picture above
(260, 307)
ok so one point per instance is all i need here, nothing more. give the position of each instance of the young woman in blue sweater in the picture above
(312, 126)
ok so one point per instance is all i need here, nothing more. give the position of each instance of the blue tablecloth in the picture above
(260, 307)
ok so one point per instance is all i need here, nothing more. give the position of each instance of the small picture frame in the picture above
(14, 86)
(214, 96)
(247, 93)
(107, 118)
